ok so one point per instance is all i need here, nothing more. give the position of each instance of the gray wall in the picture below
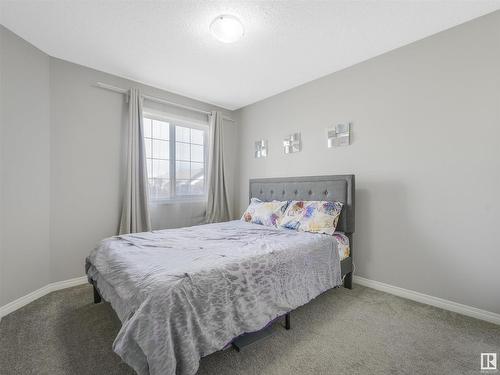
(62, 151)
(426, 208)
(2, 121)
(425, 151)
(25, 167)
(87, 130)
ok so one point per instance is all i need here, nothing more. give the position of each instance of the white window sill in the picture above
(187, 200)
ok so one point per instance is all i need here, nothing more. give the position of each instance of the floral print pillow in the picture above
(343, 245)
(292, 215)
(312, 216)
(264, 213)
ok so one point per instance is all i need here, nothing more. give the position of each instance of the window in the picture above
(176, 157)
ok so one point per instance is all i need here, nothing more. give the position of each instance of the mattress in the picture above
(185, 293)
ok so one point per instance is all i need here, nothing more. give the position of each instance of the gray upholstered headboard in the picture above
(326, 188)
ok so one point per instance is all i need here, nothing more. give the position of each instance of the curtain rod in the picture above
(156, 99)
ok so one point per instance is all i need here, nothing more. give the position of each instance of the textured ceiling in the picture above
(167, 44)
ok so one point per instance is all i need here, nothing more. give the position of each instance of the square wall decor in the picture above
(261, 148)
(292, 143)
(339, 135)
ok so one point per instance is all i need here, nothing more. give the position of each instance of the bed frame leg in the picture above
(348, 280)
(97, 296)
(287, 321)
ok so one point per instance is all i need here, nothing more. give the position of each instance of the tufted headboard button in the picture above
(283, 192)
(309, 192)
(296, 192)
(272, 192)
(325, 192)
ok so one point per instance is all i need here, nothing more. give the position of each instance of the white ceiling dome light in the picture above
(227, 28)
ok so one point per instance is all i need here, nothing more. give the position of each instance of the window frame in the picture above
(174, 121)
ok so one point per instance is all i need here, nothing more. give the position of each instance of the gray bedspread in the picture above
(185, 293)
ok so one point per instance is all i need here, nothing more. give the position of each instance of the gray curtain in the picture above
(218, 199)
(135, 210)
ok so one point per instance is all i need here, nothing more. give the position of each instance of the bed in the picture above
(182, 294)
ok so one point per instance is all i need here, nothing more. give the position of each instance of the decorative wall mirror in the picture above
(292, 143)
(339, 135)
(261, 148)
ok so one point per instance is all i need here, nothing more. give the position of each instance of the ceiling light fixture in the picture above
(227, 28)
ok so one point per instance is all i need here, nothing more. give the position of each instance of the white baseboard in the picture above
(405, 293)
(430, 300)
(24, 300)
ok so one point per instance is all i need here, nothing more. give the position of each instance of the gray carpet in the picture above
(359, 331)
